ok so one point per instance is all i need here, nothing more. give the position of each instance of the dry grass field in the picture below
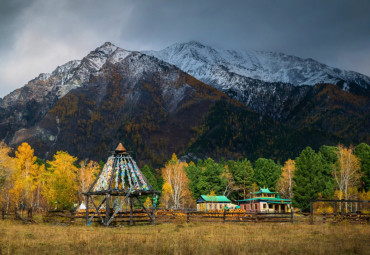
(192, 238)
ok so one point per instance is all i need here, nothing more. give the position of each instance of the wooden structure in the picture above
(172, 216)
(119, 183)
(206, 203)
(266, 201)
(354, 211)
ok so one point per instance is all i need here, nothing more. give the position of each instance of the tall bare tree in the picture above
(285, 183)
(174, 174)
(347, 172)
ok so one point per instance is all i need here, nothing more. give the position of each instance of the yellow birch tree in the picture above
(26, 177)
(166, 195)
(61, 185)
(347, 172)
(285, 183)
(6, 170)
(148, 203)
(86, 175)
(174, 174)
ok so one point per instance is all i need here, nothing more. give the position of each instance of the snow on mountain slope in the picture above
(205, 63)
(66, 77)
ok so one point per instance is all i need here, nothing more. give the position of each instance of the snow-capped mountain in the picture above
(66, 77)
(214, 66)
(26, 106)
(86, 106)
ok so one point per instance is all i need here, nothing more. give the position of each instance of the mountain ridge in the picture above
(86, 106)
(196, 59)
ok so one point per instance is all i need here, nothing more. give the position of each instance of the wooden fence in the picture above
(351, 211)
(167, 216)
(170, 216)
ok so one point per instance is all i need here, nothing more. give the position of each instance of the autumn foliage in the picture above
(27, 182)
(176, 187)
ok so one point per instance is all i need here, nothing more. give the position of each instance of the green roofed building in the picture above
(266, 201)
(206, 203)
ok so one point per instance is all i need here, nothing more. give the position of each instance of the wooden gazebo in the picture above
(120, 180)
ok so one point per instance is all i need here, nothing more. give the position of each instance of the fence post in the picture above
(72, 217)
(311, 212)
(291, 214)
(323, 216)
(341, 210)
(153, 216)
(224, 215)
(187, 216)
(131, 213)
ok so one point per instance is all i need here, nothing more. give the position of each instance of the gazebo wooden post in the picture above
(87, 209)
(107, 209)
(153, 216)
(131, 212)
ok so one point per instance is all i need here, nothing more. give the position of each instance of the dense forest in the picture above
(27, 182)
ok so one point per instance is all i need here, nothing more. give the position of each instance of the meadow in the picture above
(185, 238)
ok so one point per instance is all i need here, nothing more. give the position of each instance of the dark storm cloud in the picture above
(36, 36)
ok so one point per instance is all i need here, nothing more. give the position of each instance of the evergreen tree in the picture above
(266, 173)
(363, 152)
(312, 176)
(242, 174)
(329, 154)
(148, 172)
(206, 176)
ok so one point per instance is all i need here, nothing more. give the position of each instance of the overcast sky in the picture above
(38, 35)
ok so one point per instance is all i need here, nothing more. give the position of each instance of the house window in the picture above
(270, 206)
(264, 206)
(255, 206)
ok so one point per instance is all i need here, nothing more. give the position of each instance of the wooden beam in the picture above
(87, 210)
(131, 216)
(90, 219)
(144, 208)
(107, 196)
(97, 210)
(117, 210)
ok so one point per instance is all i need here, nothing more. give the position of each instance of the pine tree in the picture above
(205, 176)
(149, 175)
(312, 176)
(242, 173)
(362, 151)
(266, 173)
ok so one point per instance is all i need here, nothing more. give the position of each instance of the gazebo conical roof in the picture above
(122, 179)
(121, 174)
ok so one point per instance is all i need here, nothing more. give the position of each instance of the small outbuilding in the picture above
(206, 203)
(266, 201)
